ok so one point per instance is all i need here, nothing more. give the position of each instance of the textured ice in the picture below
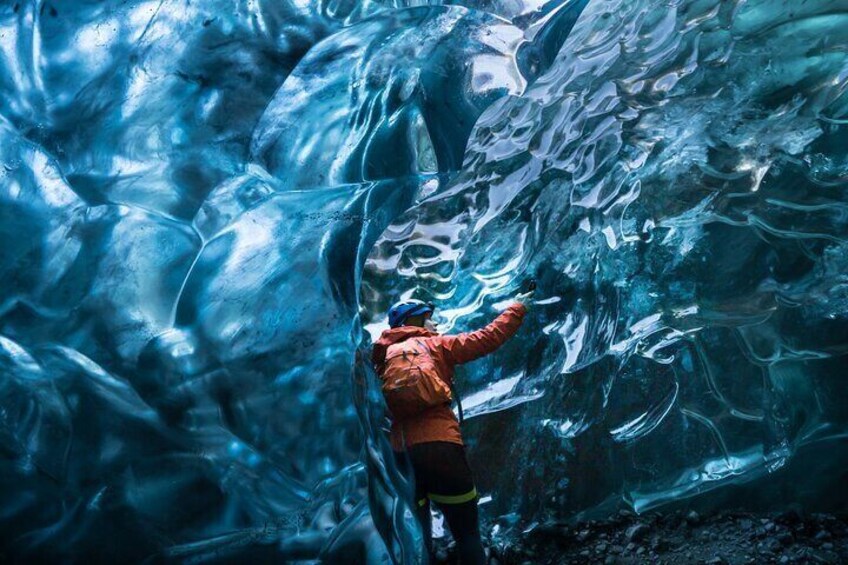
(206, 207)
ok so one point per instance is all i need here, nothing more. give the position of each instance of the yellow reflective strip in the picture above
(453, 499)
(422, 502)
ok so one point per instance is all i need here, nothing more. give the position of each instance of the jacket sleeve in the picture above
(466, 347)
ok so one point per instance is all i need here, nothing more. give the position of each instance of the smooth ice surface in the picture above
(207, 206)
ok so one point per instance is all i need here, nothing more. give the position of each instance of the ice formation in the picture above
(207, 206)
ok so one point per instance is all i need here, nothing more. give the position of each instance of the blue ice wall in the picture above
(676, 183)
(206, 207)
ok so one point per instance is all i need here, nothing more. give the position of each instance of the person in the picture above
(430, 440)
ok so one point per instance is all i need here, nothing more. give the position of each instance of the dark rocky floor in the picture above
(680, 537)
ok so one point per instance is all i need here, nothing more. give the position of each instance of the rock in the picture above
(745, 525)
(610, 560)
(789, 517)
(784, 559)
(658, 544)
(772, 545)
(550, 529)
(636, 532)
(583, 535)
(693, 518)
(828, 557)
(602, 547)
(717, 560)
(822, 535)
(827, 546)
(769, 526)
(585, 553)
(640, 550)
(617, 549)
(630, 547)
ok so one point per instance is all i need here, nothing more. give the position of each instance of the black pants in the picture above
(442, 476)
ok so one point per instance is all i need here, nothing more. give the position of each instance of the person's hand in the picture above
(525, 298)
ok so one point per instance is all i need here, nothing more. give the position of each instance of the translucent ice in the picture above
(666, 183)
(206, 207)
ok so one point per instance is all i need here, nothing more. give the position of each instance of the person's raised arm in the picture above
(466, 347)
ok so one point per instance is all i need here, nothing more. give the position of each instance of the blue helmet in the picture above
(403, 310)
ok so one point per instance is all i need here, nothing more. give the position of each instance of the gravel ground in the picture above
(680, 537)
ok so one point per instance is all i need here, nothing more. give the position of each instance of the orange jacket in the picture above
(439, 423)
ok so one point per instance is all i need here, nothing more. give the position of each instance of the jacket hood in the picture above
(393, 336)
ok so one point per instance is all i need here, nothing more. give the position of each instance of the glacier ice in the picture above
(206, 207)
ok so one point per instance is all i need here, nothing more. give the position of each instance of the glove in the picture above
(525, 298)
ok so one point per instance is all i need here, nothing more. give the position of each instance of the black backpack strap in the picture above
(458, 402)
